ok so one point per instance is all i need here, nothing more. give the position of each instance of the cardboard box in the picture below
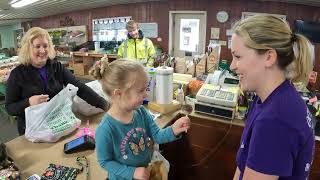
(164, 108)
(81, 69)
(200, 69)
(88, 61)
(191, 69)
(181, 65)
(181, 79)
(201, 66)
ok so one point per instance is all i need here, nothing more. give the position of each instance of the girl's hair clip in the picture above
(98, 63)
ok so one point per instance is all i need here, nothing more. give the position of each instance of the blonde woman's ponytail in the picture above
(303, 54)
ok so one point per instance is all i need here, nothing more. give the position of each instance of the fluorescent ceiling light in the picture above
(21, 3)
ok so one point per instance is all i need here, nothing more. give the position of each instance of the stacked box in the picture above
(81, 69)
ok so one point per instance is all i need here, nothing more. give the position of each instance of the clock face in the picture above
(222, 16)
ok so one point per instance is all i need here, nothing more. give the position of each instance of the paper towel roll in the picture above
(164, 85)
(97, 46)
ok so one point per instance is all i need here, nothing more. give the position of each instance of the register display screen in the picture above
(75, 142)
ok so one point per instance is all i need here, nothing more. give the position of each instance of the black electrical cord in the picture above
(214, 149)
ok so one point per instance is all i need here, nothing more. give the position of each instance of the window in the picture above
(189, 35)
(110, 29)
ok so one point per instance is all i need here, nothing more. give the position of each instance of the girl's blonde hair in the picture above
(265, 32)
(26, 44)
(117, 74)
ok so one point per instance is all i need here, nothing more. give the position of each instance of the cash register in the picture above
(219, 95)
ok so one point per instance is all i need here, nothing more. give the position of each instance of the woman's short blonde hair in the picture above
(26, 44)
(132, 25)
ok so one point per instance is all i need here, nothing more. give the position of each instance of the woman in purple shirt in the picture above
(278, 138)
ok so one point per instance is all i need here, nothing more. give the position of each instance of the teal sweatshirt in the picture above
(123, 147)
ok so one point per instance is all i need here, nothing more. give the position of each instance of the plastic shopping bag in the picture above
(82, 107)
(158, 167)
(49, 121)
(157, 156)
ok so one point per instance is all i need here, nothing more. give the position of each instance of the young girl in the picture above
(124, 138)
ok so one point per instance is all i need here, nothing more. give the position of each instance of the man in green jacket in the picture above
(136, 46)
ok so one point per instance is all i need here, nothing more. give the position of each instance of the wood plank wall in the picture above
(159, 12)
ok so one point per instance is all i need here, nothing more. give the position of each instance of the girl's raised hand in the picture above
(181, 125)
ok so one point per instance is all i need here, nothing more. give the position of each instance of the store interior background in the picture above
(158, 12)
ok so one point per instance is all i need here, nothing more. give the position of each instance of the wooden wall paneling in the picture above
(235, 9)
(187, 5)
(90, 26)
(161, 16)
(159, 12)
(146, 12)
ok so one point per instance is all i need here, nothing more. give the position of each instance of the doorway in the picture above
(187, 33)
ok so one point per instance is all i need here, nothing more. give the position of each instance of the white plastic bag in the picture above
(158, 167)
(49, 121)
(157, 156)
(82, 107)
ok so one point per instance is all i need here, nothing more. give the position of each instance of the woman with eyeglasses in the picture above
(39, 77)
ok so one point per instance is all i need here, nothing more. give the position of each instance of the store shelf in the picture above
(83, 61)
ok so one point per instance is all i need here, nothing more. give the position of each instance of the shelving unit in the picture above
(81, 62)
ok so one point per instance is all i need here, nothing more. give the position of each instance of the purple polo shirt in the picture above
(278, 138)
(43, 74)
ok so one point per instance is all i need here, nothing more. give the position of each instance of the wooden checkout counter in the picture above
(207, 151)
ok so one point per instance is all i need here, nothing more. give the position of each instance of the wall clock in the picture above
(222, 16)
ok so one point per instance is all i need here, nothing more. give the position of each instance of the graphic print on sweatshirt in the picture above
(311, 123)
(135, 142)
